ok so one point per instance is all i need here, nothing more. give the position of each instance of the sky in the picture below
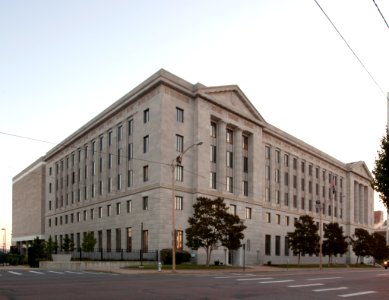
(63, 62)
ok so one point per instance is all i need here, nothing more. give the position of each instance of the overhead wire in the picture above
(387, 25)
(351, 49)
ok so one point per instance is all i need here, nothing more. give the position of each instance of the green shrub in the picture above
(181, 256)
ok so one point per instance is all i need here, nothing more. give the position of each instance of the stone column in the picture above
(238, 162)
(221, 157)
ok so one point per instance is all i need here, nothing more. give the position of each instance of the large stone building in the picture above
(114, 177)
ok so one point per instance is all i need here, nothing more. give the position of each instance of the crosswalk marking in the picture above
(55, 272)
(255, 278)
(305, 285)
(357, 294)
(382, 275)
(331, 289)
(234, 276)
(277, 281)
(71, 272)
(36, 272)
(324, 278)
(15, 273)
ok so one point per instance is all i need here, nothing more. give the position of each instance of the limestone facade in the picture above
(114, 177)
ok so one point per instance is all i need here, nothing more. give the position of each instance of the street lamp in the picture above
(176, 161)
(318, 206)
(4, 240)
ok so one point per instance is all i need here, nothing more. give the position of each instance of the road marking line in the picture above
(256, 278)
(331, 289)
(277, 281)
(357, 294)
(324, 278)
(305, 285)
(382, 275)
(71, 272)
(236, 276)
(36, 272)
(55, 272)
(15, 273)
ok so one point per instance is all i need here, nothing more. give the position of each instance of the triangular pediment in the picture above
(360, 168)
(232, 98)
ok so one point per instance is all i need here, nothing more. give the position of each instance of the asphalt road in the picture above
(332, 284)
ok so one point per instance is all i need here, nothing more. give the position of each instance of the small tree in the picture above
(68, 245)
(51, 247)
(304, 239)
(379, 250)
(335, 242)
(211, 225)
(380, 183)
(89, 242)
(361, 242)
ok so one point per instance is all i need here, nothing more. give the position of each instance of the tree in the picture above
(361, 241)
(212, 225)
(68, 244)
(335, 242)
(51, 247)
(89, 242)
(379, 250)
(304, 239)
(380, 183)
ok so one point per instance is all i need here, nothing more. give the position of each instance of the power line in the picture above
(387, 25)
(353, 52)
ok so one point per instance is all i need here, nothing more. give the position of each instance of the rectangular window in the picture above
(93, 190)
(109, 184)
(130, 177)
(268, 217)
(179, 173)
(278, 156)
(118, 207)
(267, 172)
(229, 183)
(92, 214)
(130, 127)
(267, 152)
(212, 179)
(129, 239)
(230, 159)
(120, 133)
(212, 154)
(286, 160)
(129, 206)
(109, 161)
(145, 203)
(248, 212)
(119, 156)
(109, 138)
(145, 240)
(85, 215)
(179, 203)
(278, 219)
(245, 145)
(179, 115)
(245, 188)
(146, 116)
(179, 143)
(267, 194)
(146, 144)
(302, 203)
(229, 136)
(118, 239)
(277, 175)
(278, 197)
(145, 173)
(267, 244)
(179, 239)
(109, 238)
(78, 217)
(119, 182)
(278, 245)
(287, 220)
(286, 199)
(100, 187)
(286, 246)
(101, 143)
(213, 129)
(130, 153)
(245, 164)
(303, 167)
(295, 201)
(232, 209)
(109, 210)
(286, 179)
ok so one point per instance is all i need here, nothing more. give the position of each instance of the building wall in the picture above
(265, 162)
(28, 199)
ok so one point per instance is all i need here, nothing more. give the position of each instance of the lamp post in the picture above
(176, 161)
(318, 205)
(4, 240)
